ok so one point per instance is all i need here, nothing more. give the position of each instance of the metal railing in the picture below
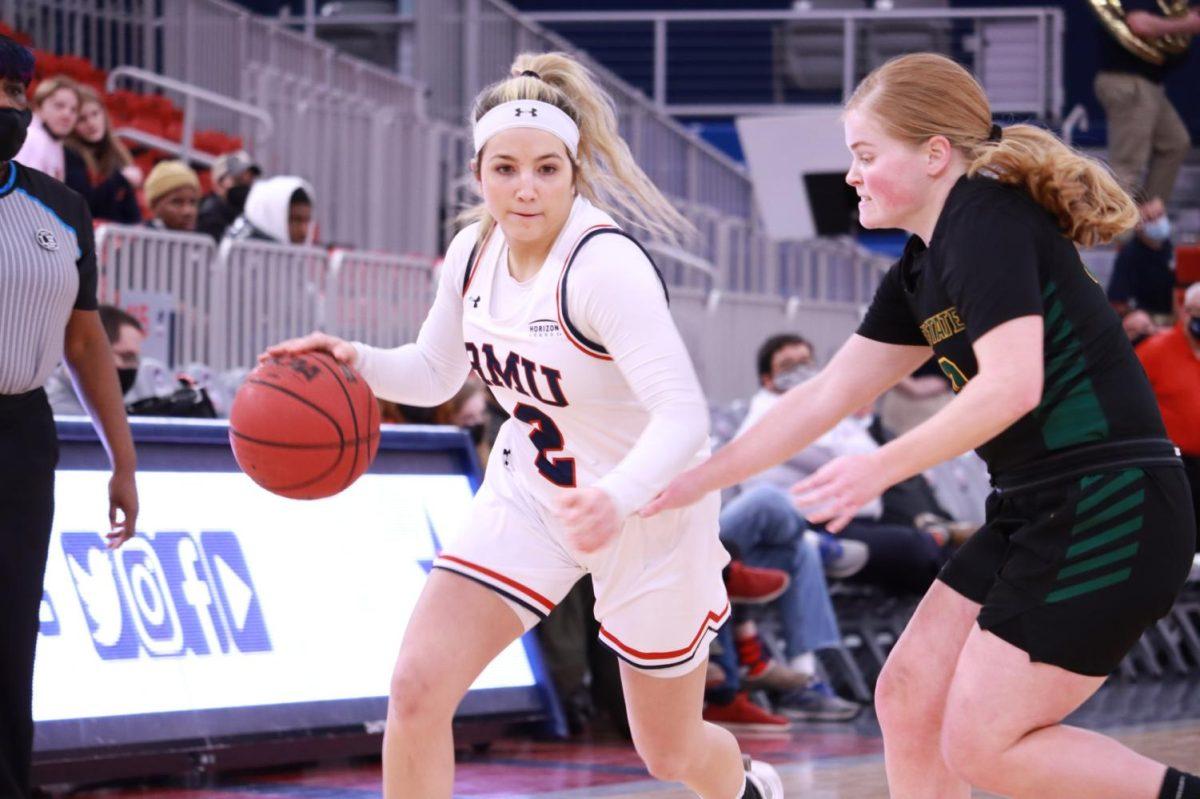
(192, 95)
(175, 265)
(382, 299)
(461, 46)
(1017, 53)
(265, 293)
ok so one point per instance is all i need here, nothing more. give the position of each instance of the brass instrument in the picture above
(1155, 51)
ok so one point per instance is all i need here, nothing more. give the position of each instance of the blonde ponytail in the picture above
(922, 95)
(605, 171)
(1089, 204)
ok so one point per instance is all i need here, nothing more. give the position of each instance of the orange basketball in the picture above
(304, 426)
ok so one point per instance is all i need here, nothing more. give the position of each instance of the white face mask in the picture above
(794, 377)
(1157, 230)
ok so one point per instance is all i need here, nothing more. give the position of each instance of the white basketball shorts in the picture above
(660, 597)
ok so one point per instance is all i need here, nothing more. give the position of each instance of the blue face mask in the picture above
(1194, 327)
(1157, 230)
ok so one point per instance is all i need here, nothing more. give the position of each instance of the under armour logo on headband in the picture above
(526, 113)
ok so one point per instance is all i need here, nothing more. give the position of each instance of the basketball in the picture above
(304, 426)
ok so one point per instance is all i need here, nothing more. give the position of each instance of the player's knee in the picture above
(898, 696)
(413, 697)
(667, 761)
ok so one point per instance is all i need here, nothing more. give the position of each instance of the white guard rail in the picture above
(267, 293)
(144, 261)
(379, 299)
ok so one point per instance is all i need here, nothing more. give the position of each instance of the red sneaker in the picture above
(747, 585)
(742, 714)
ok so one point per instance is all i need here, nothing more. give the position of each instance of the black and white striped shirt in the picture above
(47, 269)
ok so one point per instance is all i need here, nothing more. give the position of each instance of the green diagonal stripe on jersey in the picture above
(1091, 585)
(1069, 411)
(1124, 553)
(1107, 537)
(1112, 511)
(1090, 479)
(1104, 492)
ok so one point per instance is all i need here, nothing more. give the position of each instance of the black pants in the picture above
(1191, 465)
(28, 454)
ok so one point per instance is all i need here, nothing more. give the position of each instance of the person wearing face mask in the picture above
(1172, 362)
(1089, 533)
(48, 278)
(890, 552)
(125, 336)
(1144, 272)
(55, 111)
(99, 166)
(232, 176)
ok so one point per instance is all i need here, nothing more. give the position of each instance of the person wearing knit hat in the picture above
(173, 194)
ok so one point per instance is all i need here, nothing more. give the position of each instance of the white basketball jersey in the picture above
(574, 416)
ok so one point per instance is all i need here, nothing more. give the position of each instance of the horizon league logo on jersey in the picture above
(167, 596)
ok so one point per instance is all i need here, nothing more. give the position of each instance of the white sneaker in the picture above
(764, 778)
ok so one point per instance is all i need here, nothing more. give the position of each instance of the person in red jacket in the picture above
(1172, 361)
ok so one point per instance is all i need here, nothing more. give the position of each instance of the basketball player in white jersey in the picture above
(565, 317)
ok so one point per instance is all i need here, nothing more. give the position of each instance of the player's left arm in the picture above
(616, 297)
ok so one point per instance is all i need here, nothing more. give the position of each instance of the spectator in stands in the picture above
(1172, 362)
(173, 194)
(1138, 326)
(1147, 140)
(125, 336)
(98, 165)
(903, 559)
(278, 209)
(55, 109)
(232, 176)
(1143, 275)
(467, 409)
(915, 398)
(763, 529)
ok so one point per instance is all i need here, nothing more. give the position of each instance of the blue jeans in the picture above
(766, 531)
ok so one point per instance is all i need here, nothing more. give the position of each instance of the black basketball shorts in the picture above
(1073, 568)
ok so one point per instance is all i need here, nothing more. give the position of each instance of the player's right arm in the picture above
(860, 371)
(426, 372)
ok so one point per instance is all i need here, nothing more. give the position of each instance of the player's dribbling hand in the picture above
(590, 517)
(339, 348)
(834, 493)
(684, 490)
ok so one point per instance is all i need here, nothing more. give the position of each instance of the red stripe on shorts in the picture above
(529, 592)
(710, 618)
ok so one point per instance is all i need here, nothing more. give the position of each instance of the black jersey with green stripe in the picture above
(995, 255)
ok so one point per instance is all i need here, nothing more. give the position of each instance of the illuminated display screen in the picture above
(233, 598)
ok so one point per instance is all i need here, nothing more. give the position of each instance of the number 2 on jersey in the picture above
(547, 438)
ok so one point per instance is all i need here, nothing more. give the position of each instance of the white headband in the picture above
(527, 114)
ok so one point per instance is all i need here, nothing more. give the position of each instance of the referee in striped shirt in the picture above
(47, 313)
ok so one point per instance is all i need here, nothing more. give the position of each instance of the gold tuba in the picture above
(1155, 51)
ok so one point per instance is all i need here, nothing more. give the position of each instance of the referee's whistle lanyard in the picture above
(14, 124)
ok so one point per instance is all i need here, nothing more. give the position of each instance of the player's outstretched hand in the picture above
(684, 490)
(342, 350)
(834, 493)
(590, 518)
